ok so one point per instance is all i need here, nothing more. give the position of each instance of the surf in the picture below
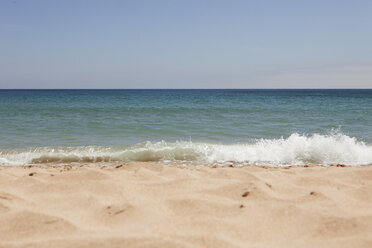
(296, 149)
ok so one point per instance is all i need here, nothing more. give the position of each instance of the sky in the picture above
(185, 44)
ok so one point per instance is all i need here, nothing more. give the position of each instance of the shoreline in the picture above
(175, 164)
(148, 204)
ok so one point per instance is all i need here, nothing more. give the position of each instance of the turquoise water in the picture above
(212, 126)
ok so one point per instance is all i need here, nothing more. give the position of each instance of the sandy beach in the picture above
(155, 205)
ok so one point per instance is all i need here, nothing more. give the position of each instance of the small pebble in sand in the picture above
(245, 194)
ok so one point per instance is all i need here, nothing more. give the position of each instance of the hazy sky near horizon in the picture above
(185, 44)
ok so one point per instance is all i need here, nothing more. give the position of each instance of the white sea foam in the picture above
(297, 149)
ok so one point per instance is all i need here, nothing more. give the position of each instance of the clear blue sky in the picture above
(185, 44)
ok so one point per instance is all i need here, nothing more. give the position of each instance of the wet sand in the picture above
(155, 205)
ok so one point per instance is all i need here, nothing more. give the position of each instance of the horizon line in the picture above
(185, 88)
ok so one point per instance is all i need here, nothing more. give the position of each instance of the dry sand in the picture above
(154, 205)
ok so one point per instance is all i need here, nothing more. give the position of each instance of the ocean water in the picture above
(243, 127)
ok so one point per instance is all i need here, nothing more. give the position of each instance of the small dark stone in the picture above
(31, 174)
(241, 206)
(245, 194)
(312, 193)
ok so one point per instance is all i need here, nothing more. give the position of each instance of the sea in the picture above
(242, 127)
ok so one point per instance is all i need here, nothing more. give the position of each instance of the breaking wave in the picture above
(297, 149)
